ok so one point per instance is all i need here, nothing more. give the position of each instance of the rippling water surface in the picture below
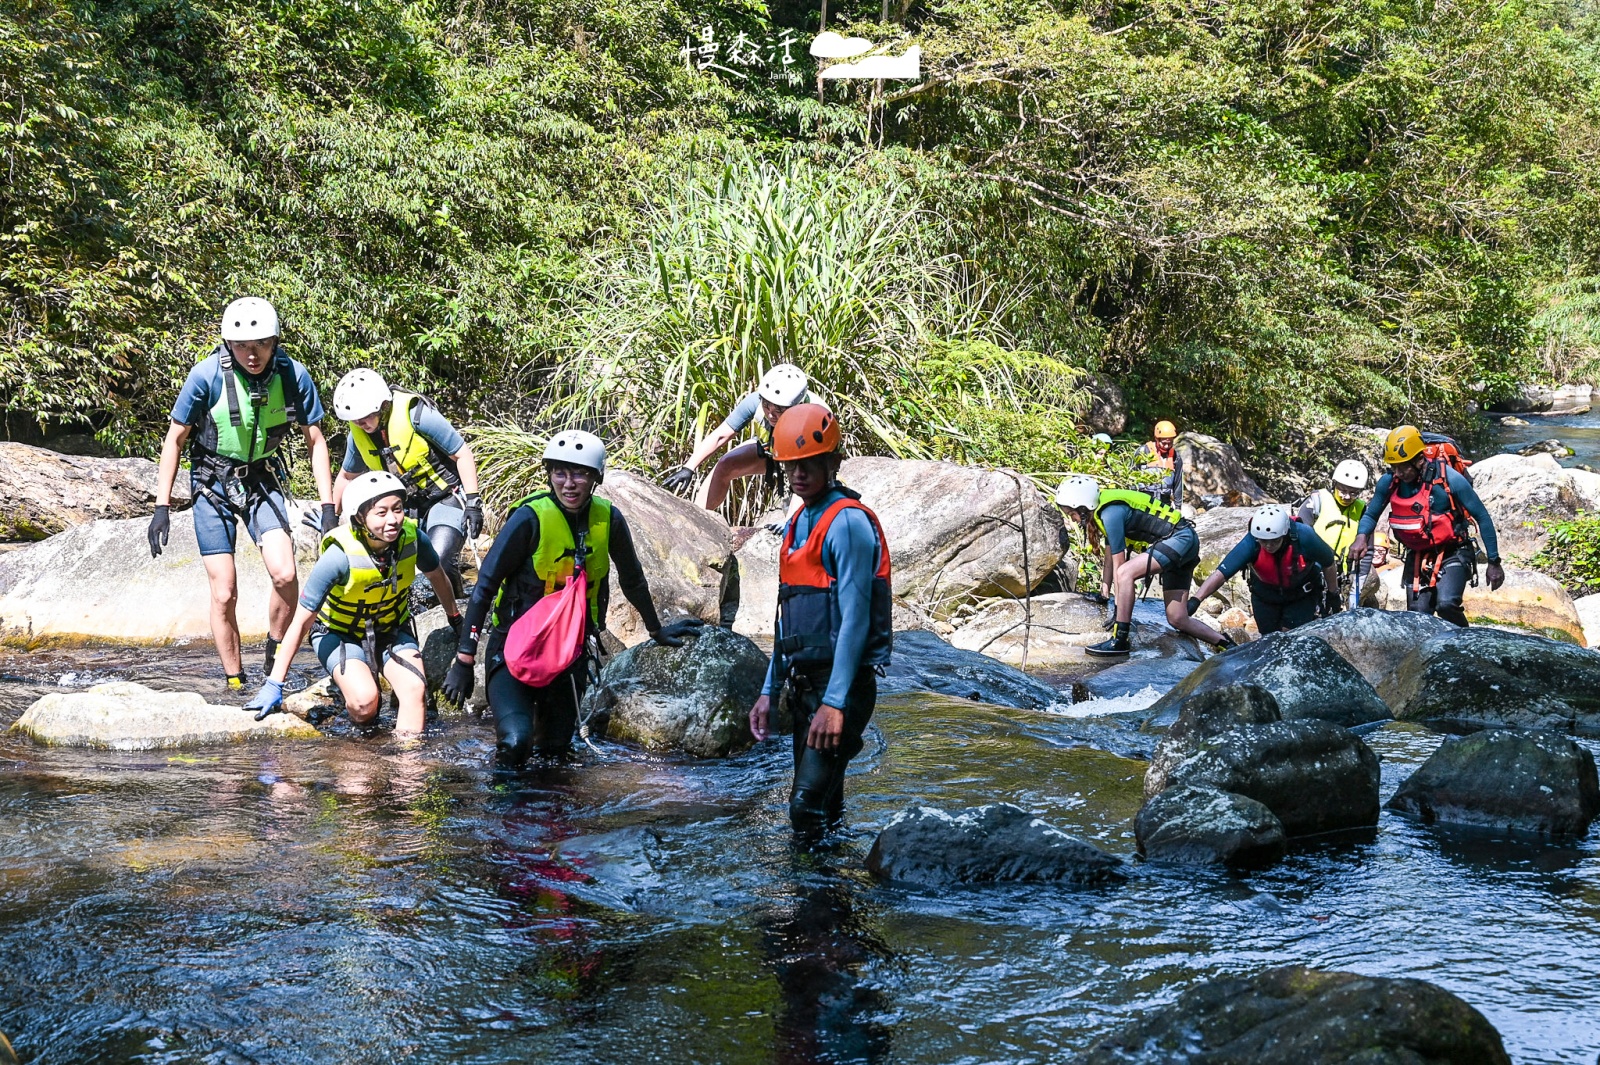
(362, 900)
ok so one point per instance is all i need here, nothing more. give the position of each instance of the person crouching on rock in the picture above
(533, 556)
(1117, 520)
(834, 629)
(1286, 560)
(1431, 508)
(359, 596)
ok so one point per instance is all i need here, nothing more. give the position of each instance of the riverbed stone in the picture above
(997, 843)
(693, 699)
(1588, 608)
(1375, 641)
(1308, 1017)
(1062, 624)
(439, 645)
(1488, 678)
(124, 716)
(1203, 716)
(924, 662)
(43, 492)
(1528, 601)
(1548, 400)
(1540, 784)
(1200, 825)
(1523, 495)
(1162, 674)
(1212, 468)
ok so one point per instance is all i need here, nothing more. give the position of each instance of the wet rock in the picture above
(998, 843)
(1305, 675)
(1375, 641)
(438, 645)
(1307, 1017)
(1512, 419)
(1212, 468)
(130, 717)
(1545, 400)
(1205, 826)
(1313, 775)
(956, 532)
(1162, 674)
(1219, 530)
(1525, 783)
(1527, 600)
(1062, 625)
(43, 492)
(1204, 716)
(1487, 678)
(1545, 447)
(695, 698)
(1108, 406)
(924, 662)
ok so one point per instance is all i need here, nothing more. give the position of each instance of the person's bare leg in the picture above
(1178, 617)
(223, 579)
(360, 689)
(743, 461)
(409, 689)
(1128, 575)
(277, 551)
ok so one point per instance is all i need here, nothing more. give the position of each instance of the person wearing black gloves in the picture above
(532, 557)
(237, 407)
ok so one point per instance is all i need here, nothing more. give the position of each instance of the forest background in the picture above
(1258, 217)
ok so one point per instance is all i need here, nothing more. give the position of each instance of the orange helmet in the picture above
(1165, 430)
(804, 431)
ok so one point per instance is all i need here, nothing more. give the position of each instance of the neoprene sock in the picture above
(272, 655)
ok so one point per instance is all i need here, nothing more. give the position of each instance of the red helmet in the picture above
(804, 431)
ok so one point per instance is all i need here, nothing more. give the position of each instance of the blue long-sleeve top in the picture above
(1460, 487)
(1312, 546)
(850, 557)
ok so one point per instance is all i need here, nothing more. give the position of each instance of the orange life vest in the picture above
(1415, 523)
(808, 609)
(1285, 571)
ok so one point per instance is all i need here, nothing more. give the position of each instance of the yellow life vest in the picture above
(1151, 521)
(1335, 524)
(554, 553)
(368, 595)
(409, 455)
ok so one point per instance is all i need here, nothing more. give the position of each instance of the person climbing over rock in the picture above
(1335, 513)
(236, 408)
(533, 556)
(834, 630)
(359, 598)
(1115, 520)
(1432, 507)
(405, 434)
(1287, 560)
(781, 388)
(1161, 458)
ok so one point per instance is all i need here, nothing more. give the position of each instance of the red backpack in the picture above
(1439, 447)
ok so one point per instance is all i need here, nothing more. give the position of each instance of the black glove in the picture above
(1192, 605)
(473, 515)
(455, 625)
(160, 529)
(457, 686)
(776, 528)
(673, 633)
(682, 478)
(321, 522)
(1331, 601)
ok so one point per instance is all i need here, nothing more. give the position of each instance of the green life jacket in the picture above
(554, 553)
(1337, 525)
(408, 454)
(250, 419)
(1151, 520)
(368, 595)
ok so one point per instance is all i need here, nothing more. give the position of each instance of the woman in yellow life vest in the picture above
(533, 556)
(406, 435)
(1335, 513)
(359, 597)
(781, 387)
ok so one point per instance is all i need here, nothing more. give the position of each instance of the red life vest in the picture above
(1414, 521)
(808, 614)
(1283, 571)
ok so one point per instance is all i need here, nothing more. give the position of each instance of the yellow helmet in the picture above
(1403, 445)
(1166, 430)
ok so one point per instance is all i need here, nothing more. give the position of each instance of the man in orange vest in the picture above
(834, 629)
(1161, 458)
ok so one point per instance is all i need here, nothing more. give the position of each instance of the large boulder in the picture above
(1206, 826)
(1301, 461)
(96, 583)
(1307, 1017)
(43, 493)
(1486, 678)
(695, 698)
(1220, 529)
(1523, 495)
(1107, 409)
(958, 533)
(1527, 600)
(1374, 641)
(1523, 783)
(923, 662)
(438, 645)
(1588, 609)
(1212, 468)
(1313, 775)
(1547, 400)
(685, 551)
(1307, 677)
(1205, 716)
(1054, 629)
(997, 843)
(123, 716)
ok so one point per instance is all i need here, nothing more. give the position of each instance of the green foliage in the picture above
(1572, 554)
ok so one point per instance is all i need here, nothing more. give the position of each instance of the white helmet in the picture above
(784, 385)
(1078, 491)
(1103, 439)
(1270, 522)
(361, 392)
(367, 487)
(579, 448)
(251, 318)
(1350, 474)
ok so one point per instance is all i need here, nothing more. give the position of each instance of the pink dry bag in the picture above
(549, 637)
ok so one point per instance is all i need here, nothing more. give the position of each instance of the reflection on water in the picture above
(364, 900)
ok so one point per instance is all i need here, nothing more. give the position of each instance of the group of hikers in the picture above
(406, 500)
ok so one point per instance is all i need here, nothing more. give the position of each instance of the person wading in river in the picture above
(235, 410)
(533, 556)
(1117, 519)
(833, 629)
(1287, 561)
(781, 387)
(406, 435)
(1432, 508)
(1335, 513)
(359, 596)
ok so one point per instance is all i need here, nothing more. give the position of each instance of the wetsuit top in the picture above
(850, 557)
(511, 560)
(203, 389)
(1313, 547)
(432, 426)
(1171, 469)
(1460, 487)
(1114, 520)
(749, 410)
(333, 570)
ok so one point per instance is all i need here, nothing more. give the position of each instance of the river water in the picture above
(1580, 432)
(361, 900)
